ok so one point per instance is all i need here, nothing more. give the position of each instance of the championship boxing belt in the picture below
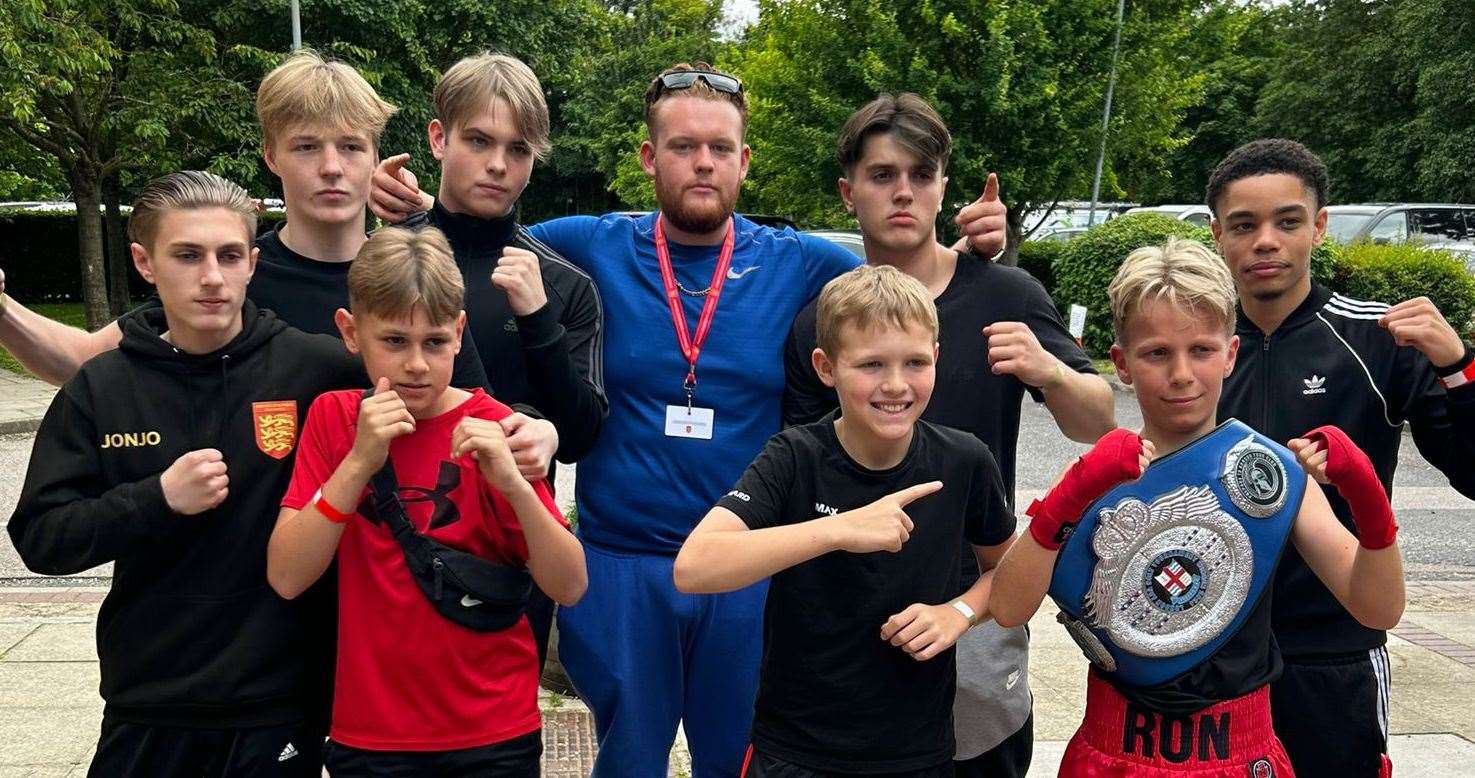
(1162, 571)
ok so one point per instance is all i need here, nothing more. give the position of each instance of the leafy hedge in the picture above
(1037, 257)
(1087, 263)
(1394, 273)
(38, 252)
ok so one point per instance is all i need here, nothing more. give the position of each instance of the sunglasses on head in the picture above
(683, 79)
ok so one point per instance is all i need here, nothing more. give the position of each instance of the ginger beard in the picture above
(699, 207)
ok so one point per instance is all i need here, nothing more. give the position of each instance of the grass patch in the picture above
(1104, 366)
(72, 314)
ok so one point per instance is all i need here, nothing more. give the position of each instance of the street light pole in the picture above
(1116, 50)
(296, 27)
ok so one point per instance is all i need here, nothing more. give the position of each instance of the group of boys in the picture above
(711, 337)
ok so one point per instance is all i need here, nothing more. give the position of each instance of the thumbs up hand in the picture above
(382, 418)
(984, 221)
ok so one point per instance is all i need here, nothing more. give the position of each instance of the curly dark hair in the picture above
(1266, 157)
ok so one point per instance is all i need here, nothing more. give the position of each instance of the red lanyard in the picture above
(691, 346)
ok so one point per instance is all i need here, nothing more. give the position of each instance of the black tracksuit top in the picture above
(552, 359)
(1330, 363)
(190, 633)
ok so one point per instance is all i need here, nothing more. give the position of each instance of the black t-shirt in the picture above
(833, 695)
(968, 395)
(305, 293)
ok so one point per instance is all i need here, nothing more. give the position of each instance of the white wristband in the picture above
(962, 607)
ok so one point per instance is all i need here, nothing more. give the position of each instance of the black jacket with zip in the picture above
(551, 360)
(190, 633)
(1330, 363)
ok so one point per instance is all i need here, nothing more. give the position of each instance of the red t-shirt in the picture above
(409, 679)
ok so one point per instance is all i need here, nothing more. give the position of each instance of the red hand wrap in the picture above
(1111, 461)
(1349, 469)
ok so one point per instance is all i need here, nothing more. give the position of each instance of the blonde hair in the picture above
(657, 92)
(871, 296)
(476, 82)
(307, 89)
(187, 190)
(398, 269)
(1182, 272)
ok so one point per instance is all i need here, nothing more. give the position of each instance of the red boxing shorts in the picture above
(1119, 738)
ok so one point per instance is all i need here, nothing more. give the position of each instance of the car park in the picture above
(1445, 226)
(1193, 214)
(1426, 223)
(849, 240)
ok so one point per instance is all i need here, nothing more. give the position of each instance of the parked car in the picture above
(1428, 223)
(1446, 226)
(849, 240)
(1193, 214)
(1060, 234)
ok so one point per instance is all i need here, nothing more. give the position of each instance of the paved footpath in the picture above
(23, 401)
(50, 712)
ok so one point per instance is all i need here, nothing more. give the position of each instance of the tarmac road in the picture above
(1438, 524)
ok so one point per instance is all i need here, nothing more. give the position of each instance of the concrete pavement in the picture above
(50, 712)
(23, 401)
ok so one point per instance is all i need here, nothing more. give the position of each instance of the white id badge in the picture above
(683, 422)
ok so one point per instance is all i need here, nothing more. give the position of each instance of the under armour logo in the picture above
(1314, 385)
(444, 509)
(733, 275)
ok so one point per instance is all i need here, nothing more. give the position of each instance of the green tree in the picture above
(603, 114)
(103, 87)
(1234, 46)
(1020, 84)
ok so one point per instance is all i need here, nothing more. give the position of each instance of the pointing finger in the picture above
(395, 163)
(911, 493)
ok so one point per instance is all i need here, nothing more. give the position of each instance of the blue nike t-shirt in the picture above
(638, 490)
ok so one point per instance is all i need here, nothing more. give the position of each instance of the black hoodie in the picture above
(190, 634)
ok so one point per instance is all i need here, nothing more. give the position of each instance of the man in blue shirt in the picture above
(688, 412)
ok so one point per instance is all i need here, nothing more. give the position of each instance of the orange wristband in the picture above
(326, 508)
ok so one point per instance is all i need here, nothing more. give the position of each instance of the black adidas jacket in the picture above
(1330, 363)
(190, 633)
(551, 359)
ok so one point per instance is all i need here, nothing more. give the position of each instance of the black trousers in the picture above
(1009, 759)
(126, 750)
(520, 757)
(761, 765)
(1332, 714)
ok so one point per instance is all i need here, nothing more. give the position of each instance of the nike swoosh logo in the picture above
(733, 275)
(467, 601)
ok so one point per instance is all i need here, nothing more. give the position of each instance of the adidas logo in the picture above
(287, 753)
(1314, 385)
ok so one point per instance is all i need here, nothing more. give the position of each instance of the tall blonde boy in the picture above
(860, 519)
(1160, 547)
(320, 125)
(416, 692)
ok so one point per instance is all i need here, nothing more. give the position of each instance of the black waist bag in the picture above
(476, 593)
